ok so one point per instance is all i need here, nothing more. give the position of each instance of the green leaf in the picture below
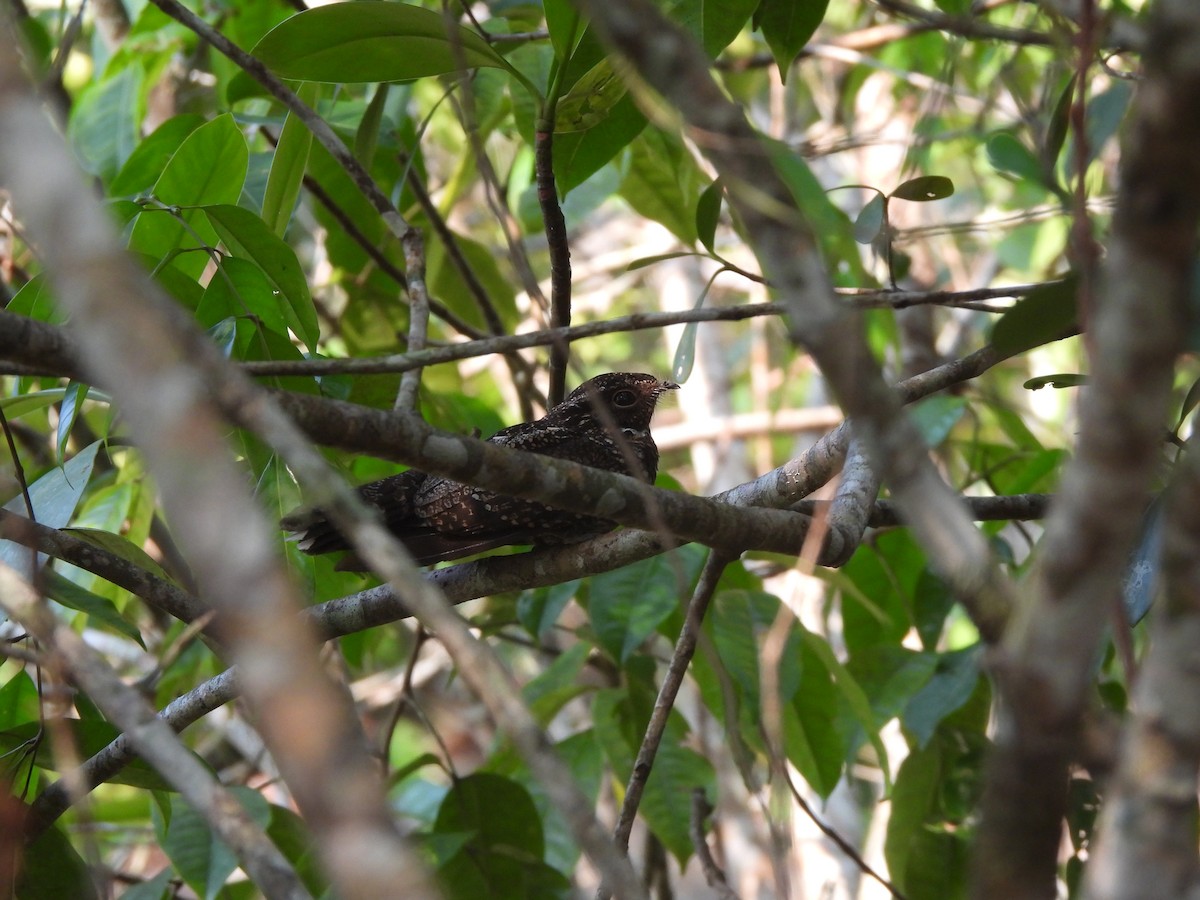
(52, 869)
(36, 301)
(1105, 113)
(814, 744)
(935, 417)
(1059, 380)
(627, 604)
(104, 122)
(715, 25)
(925, 863)
(1009, 155)
(90, 736)
(662, 183)
(685, 353)
(851, 693)
(55, 496)
(708, 213)
(150, 157)
(238, 290)
(371, 41)
(579, 155)
(676, 771)
(830, 225)
(562, 21)
(502, 857)
(203, 860)
(102, 612)
(951, 686)
(1046, 314)
(366, 138)
(590, 99)
(787, 26)
(208, 168)
(447, 284)
(288, 165)
(869, 223)
(72, 400)
(1056, 129)
(120, 546)
(248, 237)
(538, 609)
(925, 188)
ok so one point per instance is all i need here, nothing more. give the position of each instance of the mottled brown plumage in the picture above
(603, 423)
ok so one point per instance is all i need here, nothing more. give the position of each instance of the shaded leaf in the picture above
(787, 25)
(1045, 314)
(208, 168)
(1009, 155)
(925, 188)
(247, 236)
(288, 165)
(708, 213)
(590, 99)
(869, 222)
(1060, 380)
(101, 611)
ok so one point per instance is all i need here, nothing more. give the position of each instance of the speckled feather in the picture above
(604, 423)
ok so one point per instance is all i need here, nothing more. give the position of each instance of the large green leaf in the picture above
(52, 869)
(150, 157)
(209, 168)
(90, 736)
(663, 183)
(248, 237)
(677, 770)
(627, 604)
(579, 154)
(371, 41)
(199, 856)
(104, 122)
(502, 857)
(713, 24)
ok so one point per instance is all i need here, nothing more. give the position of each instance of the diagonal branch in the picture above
(137, 345)
(153, 740)
(1138, 328)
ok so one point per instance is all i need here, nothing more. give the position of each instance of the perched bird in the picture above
(603, 423)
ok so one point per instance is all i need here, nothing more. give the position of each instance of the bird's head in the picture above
(627, 398)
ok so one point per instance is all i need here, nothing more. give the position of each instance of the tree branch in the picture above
(1139, 322)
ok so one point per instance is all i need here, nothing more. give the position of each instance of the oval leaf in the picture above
(925, 188)
(371, 41)
(1009, 155)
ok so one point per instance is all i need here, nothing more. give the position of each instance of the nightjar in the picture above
(603, 423)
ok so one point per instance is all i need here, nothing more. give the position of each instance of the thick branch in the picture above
(1139, 324)
(138, 347)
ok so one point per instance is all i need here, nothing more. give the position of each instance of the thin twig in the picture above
(685, 646)
(701, 809)
(842, 844)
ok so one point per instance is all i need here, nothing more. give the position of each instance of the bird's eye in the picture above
(624, 398)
